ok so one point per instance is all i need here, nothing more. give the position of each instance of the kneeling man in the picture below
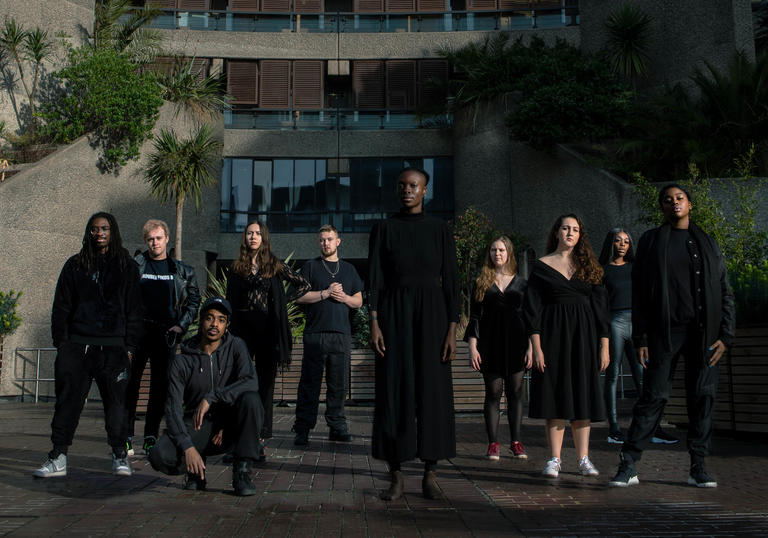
(213, 404)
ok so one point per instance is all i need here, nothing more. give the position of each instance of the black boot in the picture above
(395, 490)
(241, 479)
(194, 482)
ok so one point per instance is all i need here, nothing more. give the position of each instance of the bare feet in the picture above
(395, 490)
(429, 486)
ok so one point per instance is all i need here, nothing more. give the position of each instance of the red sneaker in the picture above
(493, 451)
(518, 450)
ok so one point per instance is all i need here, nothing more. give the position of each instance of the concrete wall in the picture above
(683, 34)
(70, 18)
(43, 212)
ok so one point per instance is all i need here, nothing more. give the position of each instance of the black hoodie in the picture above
(220, 378)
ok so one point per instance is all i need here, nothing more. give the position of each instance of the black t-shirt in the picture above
(157, 291)
(618, 282)
(680, 267)
(330, 315)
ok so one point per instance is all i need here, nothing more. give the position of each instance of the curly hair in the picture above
(583, 258)
(488, 271)
(608, 252)
(268, 263)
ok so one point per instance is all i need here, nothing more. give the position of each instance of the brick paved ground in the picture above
(330, 489)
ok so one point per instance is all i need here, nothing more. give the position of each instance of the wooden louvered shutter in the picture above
(196, 5)
(162, 65)
(369, 6)
(400, 5)
(200, 66)
(431, 5)
(512, 5)
(308, 6)
(276, 6)
(162, 4)
(242, 77)
(431, 71)
(368, 80)
(308, 84)
(481, 5)
(274, 80)
(243, 5)
(401, 84)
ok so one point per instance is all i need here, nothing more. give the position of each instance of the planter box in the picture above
(742, 393)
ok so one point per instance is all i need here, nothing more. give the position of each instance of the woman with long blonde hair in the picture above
(566, 313)
(260, 317)
(498, 343)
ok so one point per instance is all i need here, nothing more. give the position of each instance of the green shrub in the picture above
(750, 290)
(9, 319)
(107, 97)
(361, 329)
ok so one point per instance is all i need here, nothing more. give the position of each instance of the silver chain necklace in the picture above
(332, 273)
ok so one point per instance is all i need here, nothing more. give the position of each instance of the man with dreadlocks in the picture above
(96, 323)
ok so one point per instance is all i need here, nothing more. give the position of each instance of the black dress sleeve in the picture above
(475, 315)
(599, 302)
(450, 276)
(532, 304)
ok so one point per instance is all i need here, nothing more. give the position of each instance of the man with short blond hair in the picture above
(171, 298)
(336, 288)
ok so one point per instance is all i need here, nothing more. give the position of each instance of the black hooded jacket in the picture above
(101, 306)
(650, 289)
(220, 378)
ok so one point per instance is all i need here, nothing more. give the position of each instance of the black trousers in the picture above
(241, 424)
(155, 349)
(700, 391)
(76, 366)
(266, 370)
(330, 351)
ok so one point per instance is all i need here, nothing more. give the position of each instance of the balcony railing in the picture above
(331, 119)
(338, 22)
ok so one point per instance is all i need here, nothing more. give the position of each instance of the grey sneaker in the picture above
(53, 467)
(552, 470)
(121, 466)
(587, 468)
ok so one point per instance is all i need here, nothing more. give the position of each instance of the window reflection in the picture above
(298, 195)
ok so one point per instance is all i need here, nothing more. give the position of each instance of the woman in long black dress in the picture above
(498, 344)
(567, 319)
(414, 310)
(255, 291)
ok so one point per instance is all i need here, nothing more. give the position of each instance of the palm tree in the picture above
(628, 34)
(117, 24)
(179, 169)
(190, 89)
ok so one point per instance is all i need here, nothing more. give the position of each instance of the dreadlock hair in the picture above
(608, 252)
(86, 258)
(488, 271)
(268, 263)
(583, 259)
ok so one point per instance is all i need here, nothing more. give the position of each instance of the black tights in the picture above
(494, 384)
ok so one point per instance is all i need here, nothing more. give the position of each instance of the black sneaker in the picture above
(241, 479)
(193, 482)
(699, 477)
(663, 438)
(626, 475)
(616, 436)
(149, 443)
(302, 438)
(341, 436)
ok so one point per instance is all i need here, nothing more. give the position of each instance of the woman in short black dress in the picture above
(498, 344)
(255, 291)
(566, 314)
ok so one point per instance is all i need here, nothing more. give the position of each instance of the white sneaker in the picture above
(587, 468)
(552, 470)
(53, 467)
(121, 466)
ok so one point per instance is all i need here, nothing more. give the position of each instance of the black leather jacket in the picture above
(186, 297)
(650, 289)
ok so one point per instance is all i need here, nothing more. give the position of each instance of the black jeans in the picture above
(330, 351)
(700, 391)
(155, 349)
(241, 424)
(77, 365)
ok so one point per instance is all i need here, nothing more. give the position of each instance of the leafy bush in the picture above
(107, 97)
(750, 290)
(361, 329)
(9, 319)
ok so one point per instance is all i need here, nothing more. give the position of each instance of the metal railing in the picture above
(36, 379)
(331, 119)
(382, 22)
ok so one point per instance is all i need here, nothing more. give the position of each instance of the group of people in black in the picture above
(111, 314)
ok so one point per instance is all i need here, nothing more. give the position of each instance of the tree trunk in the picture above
(179, 211)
